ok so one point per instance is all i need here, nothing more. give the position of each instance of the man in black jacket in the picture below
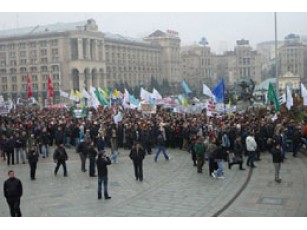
(82, 149)
(60, 157)
(33, 159)
(137, 155)
(12, 190)
(92, 156)
(238, 153)
(102, 162)
(277, 159)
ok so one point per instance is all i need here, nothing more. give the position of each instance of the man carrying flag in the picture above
(273, 97)
(29, 87)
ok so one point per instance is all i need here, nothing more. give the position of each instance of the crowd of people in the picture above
(26, 134)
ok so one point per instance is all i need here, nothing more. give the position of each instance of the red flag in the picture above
(29, 86)
(50, 88)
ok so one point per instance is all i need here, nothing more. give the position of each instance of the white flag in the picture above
(156, 95)
(93, 102)
(207, 91)
(145, 95)
(118, 117)
(64, 94)
(303, 90)
(85, 94)
(289, 98)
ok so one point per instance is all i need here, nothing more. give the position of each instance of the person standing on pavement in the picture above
(60, 157)
(199, 149)
(32, 159)
(251, 146)
(82, 149)
(238, 153)
(277, 159)
(102, 162)
(92, 159)
(12, 190)
(9, 150)
(114, 143)
(137, 155)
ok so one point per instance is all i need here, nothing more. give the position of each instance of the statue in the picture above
(247, 89)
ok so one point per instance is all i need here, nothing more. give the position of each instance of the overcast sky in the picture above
(221, 29)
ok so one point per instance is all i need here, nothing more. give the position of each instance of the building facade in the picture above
(78, 55)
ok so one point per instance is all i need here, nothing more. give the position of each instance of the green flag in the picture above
(102, 100)
(273, 97)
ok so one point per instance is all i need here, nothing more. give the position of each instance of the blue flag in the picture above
(219, 92)
(185, 86)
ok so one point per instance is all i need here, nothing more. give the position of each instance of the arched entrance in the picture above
(75, 79)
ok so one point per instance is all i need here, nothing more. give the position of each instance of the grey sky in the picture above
(220, 29)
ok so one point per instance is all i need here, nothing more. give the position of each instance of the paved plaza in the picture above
(170, 188)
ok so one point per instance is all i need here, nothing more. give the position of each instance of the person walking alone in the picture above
(277, 159)
(33, 159)
(60, 157)
(12, 190)
(102, 162)
(161, 148)
(137, 155)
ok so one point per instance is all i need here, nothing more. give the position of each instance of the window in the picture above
(14, 87)
(44, 68)
(24, 87)
(33, 61)
(23, 70)
(56, 86)
(45, 77)
(3, 71)
(34, 77)
(22, 45)
(4, 88)
(33, 69)
(13, 70)
(44, 86)
(4, 80)
(43, 43)
(11, 46)
(43, 52)
(54, 42)
(44, 60)
(55, 59)
(3, 63)
(55, 68)
(2, 55)
(33, 44)
(13, 62)
(12, 54)
(23, 77)
(2, 47)
(55, 51)
(55, 77)
(35, 87)
(22, 53)
(14, 78)
(23, 61)
(33, 53)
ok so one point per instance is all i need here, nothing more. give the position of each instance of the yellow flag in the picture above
(78, 94)
(115, 93)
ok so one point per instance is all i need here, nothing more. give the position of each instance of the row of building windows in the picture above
(33, 69)
(23, 54)
(24, 45)
(55, 77)
(3, 62)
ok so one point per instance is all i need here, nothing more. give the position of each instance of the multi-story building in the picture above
(72, 53)
(78, 55)
(293, 58)
(198, 66)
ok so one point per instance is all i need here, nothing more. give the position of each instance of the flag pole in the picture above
(276, 55)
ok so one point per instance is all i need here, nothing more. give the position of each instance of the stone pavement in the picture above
(170, 188)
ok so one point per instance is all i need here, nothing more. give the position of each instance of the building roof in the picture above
(265, 84)
(45, 29)
(125, 39)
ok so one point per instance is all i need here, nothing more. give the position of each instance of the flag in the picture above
(29, 87)
(151, 101)
(78, 94)
(273, 97)
(144, 95)
(219, 92)
(289, 98)
(106, 92)
(64, 94)
(185, 87)
(118, 117)
(207, 91)
(102, 100)
(156, 95)
(282, 99)
(115, 93)
(73, 96)
(85, 94)
(50, 88)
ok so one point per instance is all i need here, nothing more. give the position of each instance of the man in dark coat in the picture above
(12, 190)
(33, 159)
(137, 155)
(277, 159)
(92, 153)
(82, 149)
(238, 153)
(9, 150)
(102, 162)
(60, 157)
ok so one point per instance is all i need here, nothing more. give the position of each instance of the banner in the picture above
(147, 108)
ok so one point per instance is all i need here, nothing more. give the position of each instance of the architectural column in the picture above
(88, 80)
(95, 50)
(87, 49)
(80, 48)
(81, 81)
